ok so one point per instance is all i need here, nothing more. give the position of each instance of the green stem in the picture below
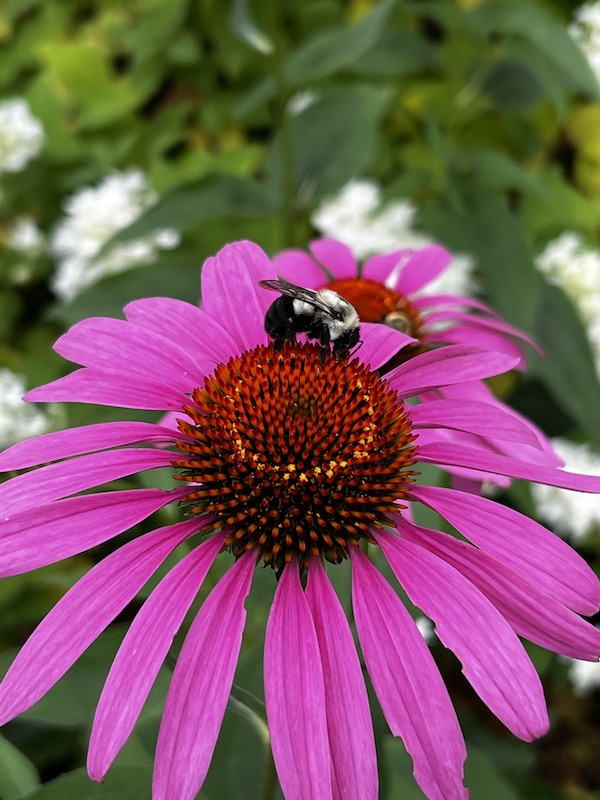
(269, 781)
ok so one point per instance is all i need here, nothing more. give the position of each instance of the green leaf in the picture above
(560, 207)
(568, 369)
(512, 86)
(484, 779)
(129, 782)
(494, 170)
(246, 29)
(397, 52)
(18, 776)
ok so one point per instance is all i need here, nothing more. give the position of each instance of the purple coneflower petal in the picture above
(82, 614)
(460, 301)
(299, 268)
(380, 343)
(89, 385)
(42, 535)
(490, 325)
(200, 687)
(531, 613)
(295, 694)
(523, 544)
(336, 256)
(86, 439)
(494, 660)
(117, 346)
(453, 364)
(485, 340)
(231, 294)
(354, 761)
(185, 324)
(458, 455)
(425, 265)
(34, 489)
(408, 684)
(473, 417)
(142, 654)
(381, 268)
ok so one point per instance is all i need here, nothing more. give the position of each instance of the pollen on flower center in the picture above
(292, 457)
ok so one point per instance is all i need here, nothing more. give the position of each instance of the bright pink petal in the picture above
(380, 343)
(142, 654)
(439, 300)
(56, 481)
(485, 340)
(75, 441)
(200, 334)
(42, 535)
(408, 684)
(478, 323)
(523, 544)
(200, 687)
(295, 694)
(336, 256)
(425, 265)
(231, 294)
(298, 267)
(117, 346)
(531, 613)
(461, 456)
(385, 268)
(448, 365)
(473, 417)
(109, 389)
(82, 614)
(494, 660)
(354, 761)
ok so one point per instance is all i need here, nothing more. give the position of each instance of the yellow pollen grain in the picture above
(303, 477)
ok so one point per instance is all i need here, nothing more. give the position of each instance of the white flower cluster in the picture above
(18, 420)
(575, 267)
(358, 217)
(94, 215)
(573, 514)
(585, 30)
(21, 135)
(25, 237)
(585, 676)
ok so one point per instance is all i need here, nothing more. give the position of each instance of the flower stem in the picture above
(269, 781)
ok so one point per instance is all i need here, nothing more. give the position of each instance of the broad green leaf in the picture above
(397, 52)
(247, 30)
(560, 208)
(122, 783)
(494, 170)
(568, 369)
(18, 776)
(485, 780)
(512, 86)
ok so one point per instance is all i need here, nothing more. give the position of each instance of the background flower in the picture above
(18, 420)
(21, 135)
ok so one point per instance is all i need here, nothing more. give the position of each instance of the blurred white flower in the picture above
(18, 420)
(585, 30)
(25, 237)
(585, 676)
(573, 514)
(94, 215)
(568, 262)
(302, 100)
(21, 135)
(425, 626)
(358, 217)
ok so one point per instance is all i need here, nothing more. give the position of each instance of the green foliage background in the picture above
(485, 114)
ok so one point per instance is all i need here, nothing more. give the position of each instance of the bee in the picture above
(323, 316)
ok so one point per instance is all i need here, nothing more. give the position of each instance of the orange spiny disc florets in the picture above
(295, 458)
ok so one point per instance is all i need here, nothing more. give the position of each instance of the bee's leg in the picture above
(324, 340)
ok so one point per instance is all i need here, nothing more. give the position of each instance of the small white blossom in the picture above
(572, 265)
(573, 514)
(25, 237)
(21, 135)
(425, 626)
(18, 420)
(585, 676)
(358, 217)
(585, 30)
(94, 215)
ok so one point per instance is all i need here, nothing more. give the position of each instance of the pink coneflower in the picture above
(283, 461)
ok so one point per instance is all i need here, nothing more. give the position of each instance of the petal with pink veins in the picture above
(380, 343)
(354, 761)
(200, 687)
(335, 256)
(383, 268)
(298, 267)
(295, 694)
(423, 267)
(408, 684)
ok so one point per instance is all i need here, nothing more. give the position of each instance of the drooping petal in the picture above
(473, 417)
(382, 268)
(117, 346)
(40, 536)
(295, 694)
(452, 364)
(494, 660)
(354, 761)
(82, 614)
(336, 256)
(380, 343)
(231, 294)
(142, 654)
(56, 481)
(408, 684)
(460, 301)
(425, 265)
(531, 613)
(109, 389)
(485, 340)
(490, 324)
(185, 324)
(86, 439)
(521, 543)
(200, 687)
(298, 267)
(472, 458)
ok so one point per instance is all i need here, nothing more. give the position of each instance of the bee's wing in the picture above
(298, 293)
